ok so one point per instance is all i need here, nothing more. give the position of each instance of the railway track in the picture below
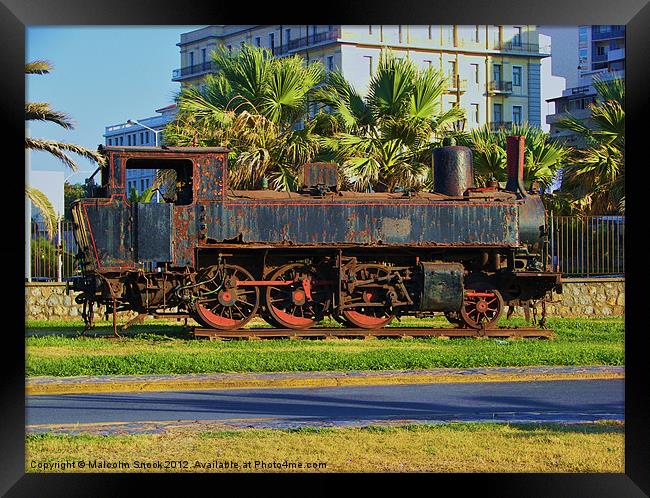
(509, 332)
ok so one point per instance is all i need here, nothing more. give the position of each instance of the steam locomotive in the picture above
(224, 256)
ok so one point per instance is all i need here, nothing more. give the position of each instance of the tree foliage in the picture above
(543, 157)
(384, 140)
(41, 111)
(593, 181)
(252, 104)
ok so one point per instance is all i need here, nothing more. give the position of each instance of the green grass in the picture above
(53, 349)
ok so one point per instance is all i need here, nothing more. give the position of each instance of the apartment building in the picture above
(601, 52)
(493, 71)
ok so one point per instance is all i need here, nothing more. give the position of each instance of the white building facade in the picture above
(493, 71)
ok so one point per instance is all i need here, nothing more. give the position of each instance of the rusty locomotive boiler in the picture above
(223, 256)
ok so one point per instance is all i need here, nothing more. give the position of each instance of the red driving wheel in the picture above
(223, 304)
(482, 306)
(374, 314)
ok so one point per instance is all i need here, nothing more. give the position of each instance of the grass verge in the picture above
(457, 447)
(53, 349)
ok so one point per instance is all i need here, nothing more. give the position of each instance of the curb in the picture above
(134, 383)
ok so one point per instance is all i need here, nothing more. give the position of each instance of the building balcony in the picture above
(617, 32)
(577, 113)
(519, 47)
(616, 55)
(307, 41)
(456, 85)
(503, 87)
(192, 71)
(500, 125)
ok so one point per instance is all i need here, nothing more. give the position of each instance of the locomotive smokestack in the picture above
(515, 148)
(452, 169)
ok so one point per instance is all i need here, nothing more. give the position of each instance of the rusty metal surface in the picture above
(452, 170)
(442, 286)
(110, 230)
(385, 332)
(405, 223)
(154, 233)
(185, 235)
(314, 174)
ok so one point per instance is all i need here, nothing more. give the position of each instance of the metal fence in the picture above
(580, 246)
(588, 246)
(52, 256)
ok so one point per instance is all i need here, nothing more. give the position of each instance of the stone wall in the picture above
(590, 297)
(580, 297)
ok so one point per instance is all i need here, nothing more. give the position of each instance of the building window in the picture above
(258, 41)
(399, 33)
(475, 72)
(271, 40)
(109, 141)
(121, 140)
(146, 134)
(330, 63)
(475, 113)
(369, 60)
(516, 75)
(496, 72)
(516, 114)
(369, 29)
(287, 35)
(203, 55)
(129, 140)
(498, 113)
(191, 58)
(142, 185)
(451, 71)
(477, 33)
(516, 40)
(430, 32)
(314, 30)
(600, 50)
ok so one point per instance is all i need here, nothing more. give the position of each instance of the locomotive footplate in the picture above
(508, 332)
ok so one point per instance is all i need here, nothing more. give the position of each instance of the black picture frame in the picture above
(15, 15)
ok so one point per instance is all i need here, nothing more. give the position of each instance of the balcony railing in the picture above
(186, 72)
(456, 85)
(307, 41)
(500, 86)
(500, 125)
(514, 46)
(612, 33)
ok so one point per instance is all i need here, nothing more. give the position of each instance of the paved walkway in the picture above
(131, 383)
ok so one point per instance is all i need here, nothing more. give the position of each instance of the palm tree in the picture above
(252, 104)
(593, 181)
(384, 141)
(41, 111)
(542, 159)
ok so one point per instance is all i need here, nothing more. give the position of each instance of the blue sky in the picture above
(102, 75)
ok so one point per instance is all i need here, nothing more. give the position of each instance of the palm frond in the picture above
(41, 111)
(38, 67)
(57, 150)
(40, 200)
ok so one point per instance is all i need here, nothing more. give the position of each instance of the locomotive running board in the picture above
(385, 332)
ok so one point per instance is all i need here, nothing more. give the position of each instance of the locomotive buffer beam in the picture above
(510, 332)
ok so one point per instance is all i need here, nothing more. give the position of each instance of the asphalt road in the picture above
(541, 401)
